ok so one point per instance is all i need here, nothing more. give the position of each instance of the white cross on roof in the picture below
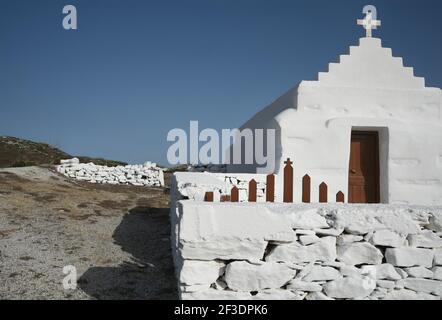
(369, 23)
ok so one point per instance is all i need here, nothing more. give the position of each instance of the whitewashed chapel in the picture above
(368, 126)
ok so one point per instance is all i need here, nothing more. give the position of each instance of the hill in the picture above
(15, 152)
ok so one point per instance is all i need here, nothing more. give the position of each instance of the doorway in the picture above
(363, 181)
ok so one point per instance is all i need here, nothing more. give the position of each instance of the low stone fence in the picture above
(148, 175)
(305, 251)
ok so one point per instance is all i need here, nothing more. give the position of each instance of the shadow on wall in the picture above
(144, 233)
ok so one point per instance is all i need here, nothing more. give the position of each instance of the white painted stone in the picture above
(348, 238)
(437, 273)
(317, 296)
(387, 284)
(423, 285)
(386, 271)
(279, 294)
(437, 257)
(309, 219)
(213, 294)
(200, 272)
(405, 294)
(323, 250)
(359, 253)
(306, 240)
(427, 239)
(319, 273)
(299, 285)
(387, 238)
(409, 257)
(243, 276)
(435, 221)
(350, 271)
(419, 272)
(305, 232)
(349, 288)
(329, 232)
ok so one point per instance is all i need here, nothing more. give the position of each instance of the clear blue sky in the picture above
(136, 69)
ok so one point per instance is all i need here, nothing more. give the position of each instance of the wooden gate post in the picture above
(270, 188)
(252, 190)
(323, 190)
(234, 195)
(288, 181)
(306, 189)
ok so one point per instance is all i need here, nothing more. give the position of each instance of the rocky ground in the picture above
(117, 238)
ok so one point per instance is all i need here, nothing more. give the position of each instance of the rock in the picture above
(329, 232)
(349, 288)
(359, 253)
(387, 284)
(213, 294)
(405, 294)
(200, 272)
(437, 273)
(426, 239)
(419, 272)
(243, 276)
(279, 294)
(299, 285)
(348, 238)
(317, 296)
(319, 273)
(350, 271)
(437, 257)
(401, 272)
(308, 219)
(306, 240)
(435, 221)
(323, 250)
(423, 285)
(409, 257)
(305, 232)
(386, 271)
(387, 238)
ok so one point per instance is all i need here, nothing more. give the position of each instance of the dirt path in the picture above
(117, 238)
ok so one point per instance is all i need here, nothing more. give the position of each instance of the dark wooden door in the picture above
(363, 184)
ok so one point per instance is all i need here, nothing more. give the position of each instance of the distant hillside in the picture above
(16, 152)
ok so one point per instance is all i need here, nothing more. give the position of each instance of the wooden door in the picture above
(363, 183)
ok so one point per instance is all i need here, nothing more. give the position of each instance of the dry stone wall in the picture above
(305, 251)
(148, 175)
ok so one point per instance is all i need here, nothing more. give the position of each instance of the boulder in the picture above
(299, 285)
(387, 238)
(200, 272)
(349, 288)
(244, 276)
(359, 253)
(386, 271)
(419, 272)
(323, 250)
(409, 257)
(319, 273)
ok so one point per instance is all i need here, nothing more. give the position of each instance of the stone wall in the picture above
(305, 251)
(148, 175)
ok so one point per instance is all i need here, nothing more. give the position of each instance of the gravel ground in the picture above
(117, 238)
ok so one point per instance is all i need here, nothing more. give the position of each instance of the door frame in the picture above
(377, 182)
